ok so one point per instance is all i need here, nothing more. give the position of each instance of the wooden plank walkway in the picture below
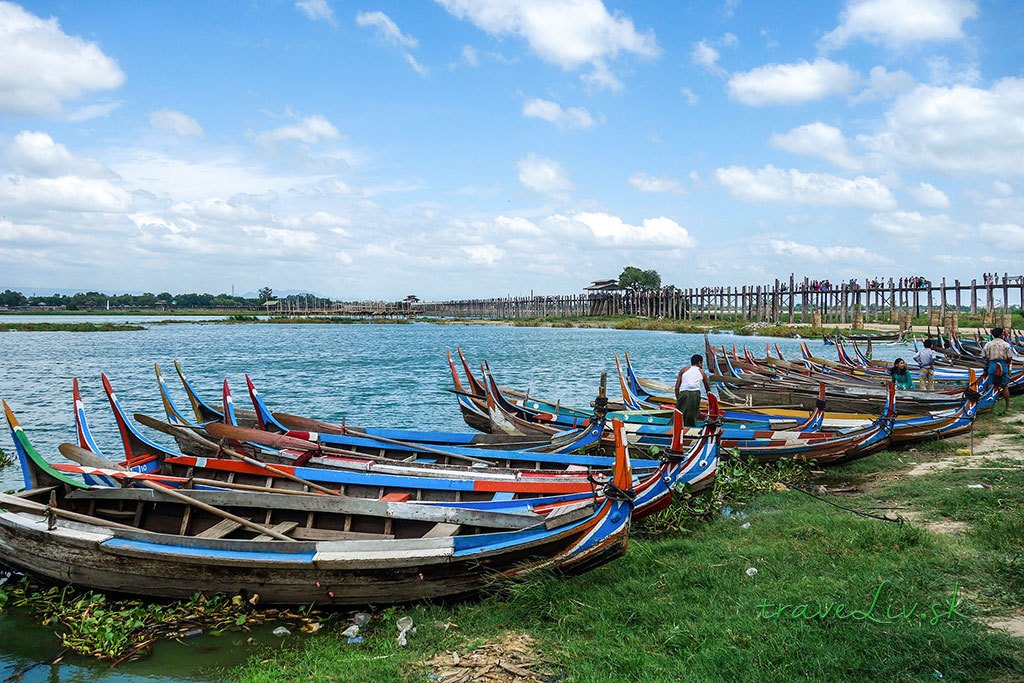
(852, 303)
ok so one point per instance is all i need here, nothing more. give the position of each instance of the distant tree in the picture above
(638, 279)
(11, 298)
(266, 294)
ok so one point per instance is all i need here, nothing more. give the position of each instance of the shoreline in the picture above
(753, 575)
(215, 317)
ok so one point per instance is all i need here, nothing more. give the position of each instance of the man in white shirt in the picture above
(925, 359)
(998, 354)
(688, 385)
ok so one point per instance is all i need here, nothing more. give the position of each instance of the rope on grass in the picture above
(898, 520)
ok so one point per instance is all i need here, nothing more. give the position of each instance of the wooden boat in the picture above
(205, 412)
(898, 337)
(387, 455)
(693, 466)
(169, 544)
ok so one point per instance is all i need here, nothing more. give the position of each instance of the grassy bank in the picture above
(125, 312)
(68, 327)
(743, 327)
(917, 596)
(312, 320)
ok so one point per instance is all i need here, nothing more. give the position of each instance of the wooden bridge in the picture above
(794, 301)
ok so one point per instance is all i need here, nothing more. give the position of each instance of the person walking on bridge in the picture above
(688, 385)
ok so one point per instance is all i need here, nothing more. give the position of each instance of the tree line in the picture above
(93, 300)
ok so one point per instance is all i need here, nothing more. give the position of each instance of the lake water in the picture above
(380, 375)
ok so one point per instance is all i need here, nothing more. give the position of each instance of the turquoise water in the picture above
(393, 375)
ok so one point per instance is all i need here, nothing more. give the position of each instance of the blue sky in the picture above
(465, 148)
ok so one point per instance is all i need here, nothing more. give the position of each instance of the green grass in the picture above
(742, 327)
(69, 327)
(680, 605)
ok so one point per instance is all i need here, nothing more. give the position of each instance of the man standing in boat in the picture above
(688, 385)
(998, 354)
(925, 359)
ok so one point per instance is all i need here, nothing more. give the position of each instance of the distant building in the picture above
(602, 296)
(603, 286)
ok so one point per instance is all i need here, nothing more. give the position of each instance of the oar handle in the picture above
(189, 500)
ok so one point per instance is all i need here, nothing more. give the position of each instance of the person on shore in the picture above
(998, 353)
(901, 375)
(925, 359)
(688, 385)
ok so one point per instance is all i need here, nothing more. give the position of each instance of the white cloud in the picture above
(899, 23)
(484, 254)
(215, 208)
(601, 78)
(943, 72)
(389, 33)
(883, 85)
(928, 195)
(817, 139)
(917, 228)
(337, 186)
(64, 193)
(94, 111)
(705, 56)
(1004, 235)
(770, 184)
(1002, 188)
(470, 56)
(36, 154)
(705, 53)
(176, 122)
(569, 33)
(387, 29)
(317, 10)
(308, 130)
(958, 129)
(830, 254)
(792, 83)
(692, 98)
(43, 66)
(517, 225)
(652, 232)
(645, 182)
(552, 112)
(544, 176)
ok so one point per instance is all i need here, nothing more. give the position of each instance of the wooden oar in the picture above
(90, 459)
(419, 447)
(189, 500)
(222, 431)
(297, 422)
(7, 500)
(147, 421)
(201, 441)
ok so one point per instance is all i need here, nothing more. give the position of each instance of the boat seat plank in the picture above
(281, 528)
(313, 534)
(567, 514)
(220, 529)
(504, 495)
(441, 530)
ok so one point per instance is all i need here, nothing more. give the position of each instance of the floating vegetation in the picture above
(69, 327)
(5, 459)
(119, 630)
